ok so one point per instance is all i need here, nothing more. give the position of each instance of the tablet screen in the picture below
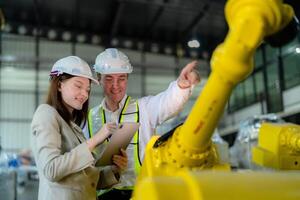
(120, 139)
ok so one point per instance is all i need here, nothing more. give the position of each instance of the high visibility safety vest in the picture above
(129, 113)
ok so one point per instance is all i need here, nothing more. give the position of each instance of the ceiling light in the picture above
(96, 39)
(52, 34)
(168, 50)
(35, 31)
(128, 43)
(114, 42)
(66, 36)
(7, 28)
(140, 45)
(22, 30)
(154, 48)
(297, 49)
(81, 38)
(193, 44)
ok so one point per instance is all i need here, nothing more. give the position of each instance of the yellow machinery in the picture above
(278, 146)
(185, 165)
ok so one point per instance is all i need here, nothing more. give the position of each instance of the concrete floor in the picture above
(29, 191)
(18, 185)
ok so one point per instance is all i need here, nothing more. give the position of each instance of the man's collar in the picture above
(121, 104)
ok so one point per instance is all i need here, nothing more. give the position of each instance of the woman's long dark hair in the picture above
(54, 99)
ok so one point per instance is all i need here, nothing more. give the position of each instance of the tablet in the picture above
(120, 139)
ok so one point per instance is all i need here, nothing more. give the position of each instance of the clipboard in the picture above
(120, 139)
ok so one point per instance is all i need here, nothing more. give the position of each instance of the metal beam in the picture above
(173, 6)
(116, 18)
(76, 15)
(154, 20)
(190, 27)
(37, 12)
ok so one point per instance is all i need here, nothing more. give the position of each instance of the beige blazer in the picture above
(65, 165)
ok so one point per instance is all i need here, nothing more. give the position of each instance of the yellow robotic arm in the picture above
(170, 165)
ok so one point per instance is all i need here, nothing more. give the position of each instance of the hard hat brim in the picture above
(91, 78)
(118, 70)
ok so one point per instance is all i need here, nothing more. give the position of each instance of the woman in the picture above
(65, 162)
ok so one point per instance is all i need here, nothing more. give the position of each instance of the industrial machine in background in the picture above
(247, 138)
(278, 146)
(185, 164)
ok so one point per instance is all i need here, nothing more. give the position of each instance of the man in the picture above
(112, 68)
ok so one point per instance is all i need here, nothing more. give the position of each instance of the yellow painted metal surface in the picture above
(177, 169)
(208, 185)
(278, 146)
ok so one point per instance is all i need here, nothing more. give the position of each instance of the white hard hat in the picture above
(112, 61)
(72, 65)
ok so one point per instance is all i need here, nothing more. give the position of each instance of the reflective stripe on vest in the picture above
(137, 162)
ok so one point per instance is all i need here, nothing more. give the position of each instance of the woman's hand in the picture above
(120, 162)
(106, 131)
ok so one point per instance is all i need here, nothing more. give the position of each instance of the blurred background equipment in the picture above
(222, 147)
(247, 138)
(8, 184)
(278, 146)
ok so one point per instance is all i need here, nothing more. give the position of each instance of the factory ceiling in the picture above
(160, 26)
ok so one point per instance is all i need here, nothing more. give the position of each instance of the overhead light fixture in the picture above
(35, 31)
(96, 39)
(81, 38)
(154, 48)
(168, 50)
(140, 46)
(7, 28)
(52, 34)
(297, 49)
(22, 30)
(114, 42)
(193, 44)
(128, 43)
(66, 36)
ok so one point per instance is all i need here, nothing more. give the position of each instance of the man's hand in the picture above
(189, 76)
(120, 161)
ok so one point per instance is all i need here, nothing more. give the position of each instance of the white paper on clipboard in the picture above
(120, 139)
